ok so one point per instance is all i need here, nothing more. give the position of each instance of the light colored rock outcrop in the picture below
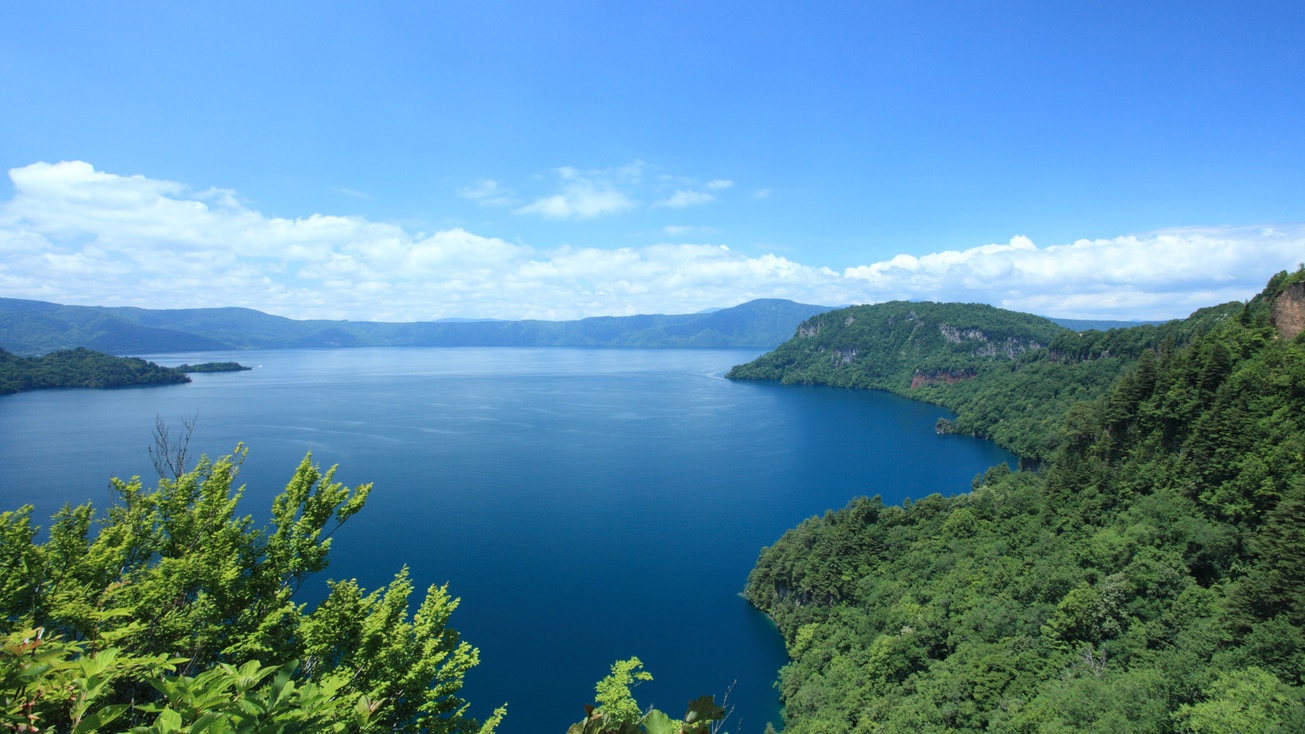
(1288, 314)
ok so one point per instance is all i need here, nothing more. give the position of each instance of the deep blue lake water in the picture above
(586, 504)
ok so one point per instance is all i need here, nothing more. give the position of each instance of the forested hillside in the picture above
(80, 368)
(1150, 577)
(1008, 376)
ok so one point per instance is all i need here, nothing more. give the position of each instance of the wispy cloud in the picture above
(590, 193)
(680, 230)
(72, 234)
(685, 198)
(488, 192)
(762, 193)
(354, 194)
(586, 194)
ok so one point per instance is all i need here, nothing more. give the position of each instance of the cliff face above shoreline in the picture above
(884, 346)
(1288, 314)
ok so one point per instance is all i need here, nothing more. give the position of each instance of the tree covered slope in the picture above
(1008, 376)
(1150, 577)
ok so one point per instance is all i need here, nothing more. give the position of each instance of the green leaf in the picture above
(657, 722)
(703, 709)
(168, 720)
(99, 719)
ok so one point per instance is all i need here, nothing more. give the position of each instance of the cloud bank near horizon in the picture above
(72, 234)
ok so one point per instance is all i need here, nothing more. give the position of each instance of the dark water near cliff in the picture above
(587, 505)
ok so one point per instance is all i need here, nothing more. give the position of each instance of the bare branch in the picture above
(169, 452)
(1094, 660)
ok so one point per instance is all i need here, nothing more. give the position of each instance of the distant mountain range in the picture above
(38, 327)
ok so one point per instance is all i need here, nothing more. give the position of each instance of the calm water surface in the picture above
(586, 504)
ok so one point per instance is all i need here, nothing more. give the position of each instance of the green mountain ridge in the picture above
(37, 327)
(1149, 576)
(1008, 376)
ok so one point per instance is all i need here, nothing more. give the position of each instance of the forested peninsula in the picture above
(1008, 376)
(1148, 575)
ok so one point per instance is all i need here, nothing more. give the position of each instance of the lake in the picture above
(587, 505)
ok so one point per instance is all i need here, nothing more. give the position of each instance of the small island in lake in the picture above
(212, 367)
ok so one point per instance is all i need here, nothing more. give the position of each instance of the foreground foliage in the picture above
(171, 613)
(1150, 578)
(618, 712)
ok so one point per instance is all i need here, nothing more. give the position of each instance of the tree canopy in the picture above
(171, 612)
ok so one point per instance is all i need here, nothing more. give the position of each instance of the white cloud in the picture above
(685, 198)
(587, 194)
(762, 193)
(72, 234)
(578, 202)
(1163, 274)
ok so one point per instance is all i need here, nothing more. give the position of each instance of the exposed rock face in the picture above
(1288, 314)
(1012, 347)
(844, 357)
(955, 336)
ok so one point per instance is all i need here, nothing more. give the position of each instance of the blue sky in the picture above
(414, 161)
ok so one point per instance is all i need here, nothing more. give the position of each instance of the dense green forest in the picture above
(1149, 577)
(80, 368)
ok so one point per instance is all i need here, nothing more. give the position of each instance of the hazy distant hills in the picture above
(38, 327)
(1100, 325)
